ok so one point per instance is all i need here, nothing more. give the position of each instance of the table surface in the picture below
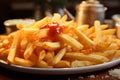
(7, 74)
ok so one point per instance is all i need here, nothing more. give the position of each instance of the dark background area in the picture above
(10, 9)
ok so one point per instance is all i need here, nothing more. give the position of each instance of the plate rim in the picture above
(60, 71)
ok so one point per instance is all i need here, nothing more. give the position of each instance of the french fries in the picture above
(69, 46)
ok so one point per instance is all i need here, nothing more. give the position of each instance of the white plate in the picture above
(60, 70)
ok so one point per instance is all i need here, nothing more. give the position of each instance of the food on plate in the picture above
(58, 43)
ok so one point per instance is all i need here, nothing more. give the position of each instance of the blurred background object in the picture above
(10, 24)
(14, 9)
(88, 11)
(116, 19)
(48, 7)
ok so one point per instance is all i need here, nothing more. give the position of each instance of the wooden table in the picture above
(6, 74)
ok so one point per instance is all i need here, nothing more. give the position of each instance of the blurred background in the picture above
(12, 9)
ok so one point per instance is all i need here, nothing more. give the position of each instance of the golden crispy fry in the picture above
(70, 24)
(99, 58)
(42, 55)
(51, 45)
(42, 33)
(73, 42)
(109, 54)
(98, 32)
(63, 19)
(40, 23)
(62, 64)
(59, 56)
(77, 63)
(56, 17)
(88, 43)
(105, 32)
(23, 62)
(108, 32)
(30, 30)
(104, 26)
(13, 48)
(29, 50)
(49, 57)
(43, 64)
(83, 27)
(90, 31)
(24, 43)
(82, 57)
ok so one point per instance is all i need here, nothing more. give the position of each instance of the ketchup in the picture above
(54, 30)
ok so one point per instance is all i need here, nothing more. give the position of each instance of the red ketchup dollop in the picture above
(53, 30)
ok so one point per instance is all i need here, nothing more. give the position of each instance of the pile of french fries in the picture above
(70, 45)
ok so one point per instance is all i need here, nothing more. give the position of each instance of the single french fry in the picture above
(82, 57)
(87, 42)
(108, 53)
(42, 33)
(99, 57)
(104, 26)
(51, 45)
(90, 31)
(29, 50)
(13, 48)
(59, 56)
(23, 62)
(24, 43)
(108, 32)
(70, 24)
(42, 55)
(30, 30)
(43, 64)
(63, 19)
(56, 17)
(104, 32)
(78, 63)
(83, 27)
(71, 41)
(42, 22)
(49, 58)
(62, 64)
(98, 31)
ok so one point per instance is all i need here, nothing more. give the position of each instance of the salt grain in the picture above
(92, 76)
(115, 73)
